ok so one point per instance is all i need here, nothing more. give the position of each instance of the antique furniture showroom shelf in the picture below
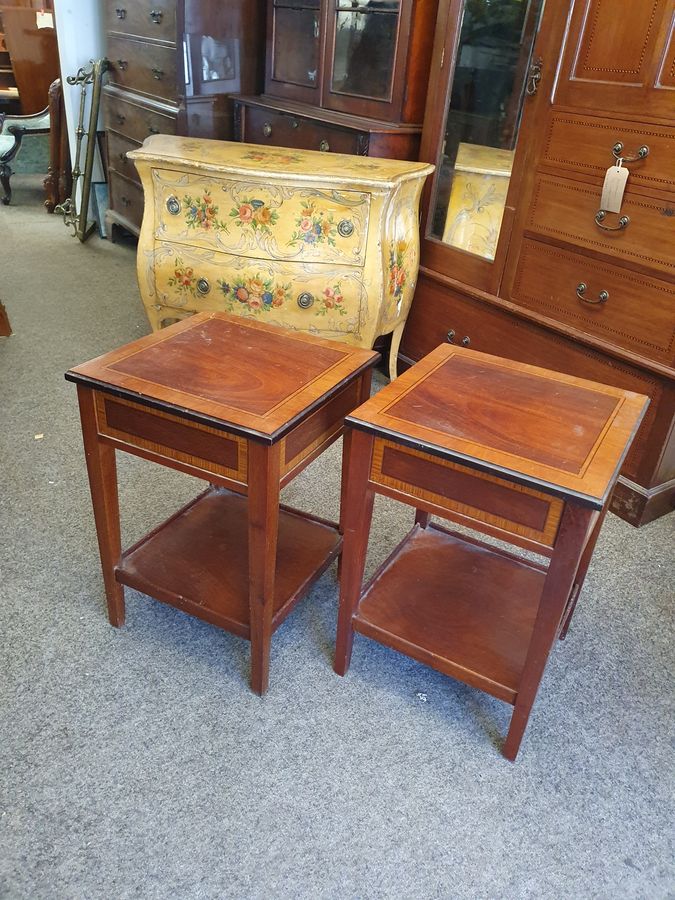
(348, 76)
(517, 257)
(198, 398)
(519, 453)
(173, 66)
(327, 244)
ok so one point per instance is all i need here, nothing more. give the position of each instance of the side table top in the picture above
(228, 372)
(530, 425)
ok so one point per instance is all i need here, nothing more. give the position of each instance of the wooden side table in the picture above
(246, 407)
(516, 452)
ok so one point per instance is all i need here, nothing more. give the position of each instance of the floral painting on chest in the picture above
(279, 221)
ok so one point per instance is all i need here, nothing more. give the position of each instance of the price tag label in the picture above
(614, 187)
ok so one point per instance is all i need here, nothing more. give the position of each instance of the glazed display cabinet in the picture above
(344, 75)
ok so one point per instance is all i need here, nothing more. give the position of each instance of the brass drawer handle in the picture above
(120, 119)
(156, 16)
(642, 152)
(305, 300)
(534, 77)
(121, 12)
(324, 146)
(122, 64)
(345, 228)
(450, 338)
(157, 74)
(267, 129)
(294, 123)
(123, 158)
(173, 206)
(582, 287)
(125, 201)
(203, 286)
(153, 130)
(600, 217)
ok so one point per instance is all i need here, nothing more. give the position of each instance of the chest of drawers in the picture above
(327, 244)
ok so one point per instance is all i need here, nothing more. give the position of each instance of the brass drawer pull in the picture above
(157, 74)
(534, 77)
(123, 158)
(121, 12)
(450, 338)
(324, 146)
(582, 287)
(122, 64)
(294, 123)
(345, 228)
(120, 119)
(305, 300)
(600, 217)
(267, 129)
(156, 16)
(125, 201)
(617, 150)
(173, 206)
(203, 286)
(153, 130)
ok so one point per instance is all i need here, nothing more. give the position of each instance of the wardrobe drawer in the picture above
(261, 220)
(144, 67)
(135, 120)
(327, 300)
(624, 308)
(126, 198)
(118, 147)
(584, 144)
(566, 210)
(153, 19)
(262, 126)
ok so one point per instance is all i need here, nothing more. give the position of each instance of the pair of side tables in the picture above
(514, 452)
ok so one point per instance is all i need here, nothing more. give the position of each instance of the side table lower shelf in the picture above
(460, 607)
(197, 560)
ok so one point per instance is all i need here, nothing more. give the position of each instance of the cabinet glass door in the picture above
(493, 73)
(365, 47)
(296, 42)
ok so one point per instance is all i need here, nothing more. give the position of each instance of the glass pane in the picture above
(212, 65)
(365, 44)
(482, 122)
(296, 45)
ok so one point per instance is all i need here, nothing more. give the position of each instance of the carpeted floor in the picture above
(137, 763)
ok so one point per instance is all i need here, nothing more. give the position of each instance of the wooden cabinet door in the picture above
(620, 57)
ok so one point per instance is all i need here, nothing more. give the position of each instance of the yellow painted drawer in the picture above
(267, 221)
(328, 300)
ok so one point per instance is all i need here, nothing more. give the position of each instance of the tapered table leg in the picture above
(559, 581)
(102, 473)
(263, 528)
(357, 514)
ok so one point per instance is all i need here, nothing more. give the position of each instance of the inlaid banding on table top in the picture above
(168, 436)
(237, 382)
(230, 373)
(508, 507)
(520, 414)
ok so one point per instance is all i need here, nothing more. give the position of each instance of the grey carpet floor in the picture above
(137, 763)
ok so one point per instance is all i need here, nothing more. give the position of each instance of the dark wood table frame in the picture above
(519, 453)
(195, 397)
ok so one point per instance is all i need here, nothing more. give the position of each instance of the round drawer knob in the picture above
(203, 286)
(345, 228)
(324, 146)
(267, 129)
(466, 341)
(450, 336)
(305, 300)
(173, 205)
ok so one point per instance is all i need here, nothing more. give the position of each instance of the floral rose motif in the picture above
(183, 279)
(202, 213)
(256, 294)
(314, 227)
(398, 274)
(332, 300)
(254, 214)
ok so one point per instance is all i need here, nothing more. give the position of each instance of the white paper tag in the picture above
(614, 187)
(44, 19)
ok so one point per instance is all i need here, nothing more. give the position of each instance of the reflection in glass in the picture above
(212, 66)
(365, 44)
(296, 44)
(483, 118)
